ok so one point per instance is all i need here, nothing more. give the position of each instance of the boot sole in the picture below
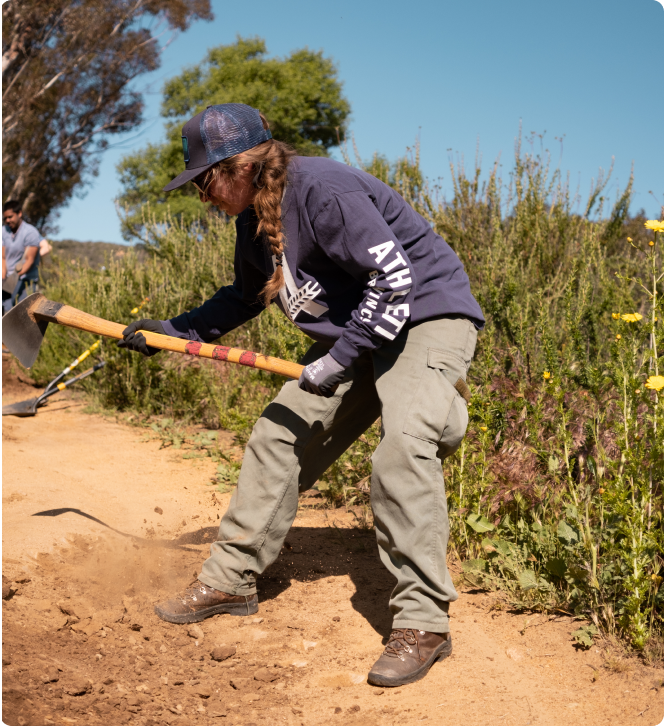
(231, 608)
(444, 651)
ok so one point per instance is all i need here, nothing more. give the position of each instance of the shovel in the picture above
(23, 329)
(29, 407)
(73, 364)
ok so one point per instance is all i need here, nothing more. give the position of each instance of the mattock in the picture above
(24, 326)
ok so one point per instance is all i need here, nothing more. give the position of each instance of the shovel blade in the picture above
(21, 333)
(21, 408)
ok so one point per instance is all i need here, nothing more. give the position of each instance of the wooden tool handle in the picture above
(73, 318)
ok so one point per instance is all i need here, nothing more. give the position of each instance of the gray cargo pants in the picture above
(410, 383)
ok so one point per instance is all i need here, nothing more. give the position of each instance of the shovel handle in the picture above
(73, 318)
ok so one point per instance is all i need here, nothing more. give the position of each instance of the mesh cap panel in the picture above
(229, 129)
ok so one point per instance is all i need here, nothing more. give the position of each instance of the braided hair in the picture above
(270, 162)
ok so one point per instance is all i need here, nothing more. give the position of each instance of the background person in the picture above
(20, 256)
(389, 305)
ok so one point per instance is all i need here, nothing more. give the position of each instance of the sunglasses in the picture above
(199, 183)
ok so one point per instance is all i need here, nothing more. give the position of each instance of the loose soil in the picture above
(99, 523)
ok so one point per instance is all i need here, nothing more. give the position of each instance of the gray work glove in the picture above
(133, 339)
(322, 376)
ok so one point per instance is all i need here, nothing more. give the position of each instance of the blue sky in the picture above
(456, 74)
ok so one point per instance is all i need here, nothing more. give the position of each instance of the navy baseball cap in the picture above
(218, 133)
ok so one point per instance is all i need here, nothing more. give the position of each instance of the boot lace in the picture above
(401, 642)
(192, 593)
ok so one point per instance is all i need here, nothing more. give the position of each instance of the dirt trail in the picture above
(87, 556)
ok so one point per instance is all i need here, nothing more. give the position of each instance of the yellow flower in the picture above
(638, 390)
(618, 337)
(631, 317)
(651, 244)
(654, 225)
(615, 316)
(656, 383)
(546, 375)
(602, 490)
(629, 239)
(482, 428)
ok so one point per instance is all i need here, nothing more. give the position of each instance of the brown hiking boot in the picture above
(201, 601)
(408, 656)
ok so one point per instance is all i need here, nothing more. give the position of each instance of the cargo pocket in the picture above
(438, 412)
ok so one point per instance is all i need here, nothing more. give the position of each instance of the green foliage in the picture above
(584, 636)
(300, 95)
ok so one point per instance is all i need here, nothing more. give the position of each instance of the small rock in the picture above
(133, 701)
(336, 619)
(250, 697)
(257, 620)
(163, 648)
(337, 709)
(51, 676)
(135, 627)
(6, 660)
(76, 609)
(298, 711)
(202, 691)
(309, 644)
(513, 653)
(240, 684)
(78, 687)
(7, 592)
(158, 510)
(222, 652)
(299, 663)
(378, 693)
(178, 681)
(108, 681)
(354, 709)
(195, 631)
(266, 675)
(164, 681)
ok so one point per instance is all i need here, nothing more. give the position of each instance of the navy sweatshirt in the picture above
(359, 264)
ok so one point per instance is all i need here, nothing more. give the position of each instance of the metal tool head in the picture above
(22, 333)
(21, 408)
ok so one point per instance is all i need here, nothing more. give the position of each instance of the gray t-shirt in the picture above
(15, 244)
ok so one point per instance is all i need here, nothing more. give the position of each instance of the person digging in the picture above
(389, 306)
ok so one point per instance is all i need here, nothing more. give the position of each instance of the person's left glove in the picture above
(133, 339)
(322, 376)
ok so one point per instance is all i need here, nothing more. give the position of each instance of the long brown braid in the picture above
(270, 160)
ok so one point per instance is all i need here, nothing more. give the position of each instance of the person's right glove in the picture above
(322, 376)
(133, 339)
